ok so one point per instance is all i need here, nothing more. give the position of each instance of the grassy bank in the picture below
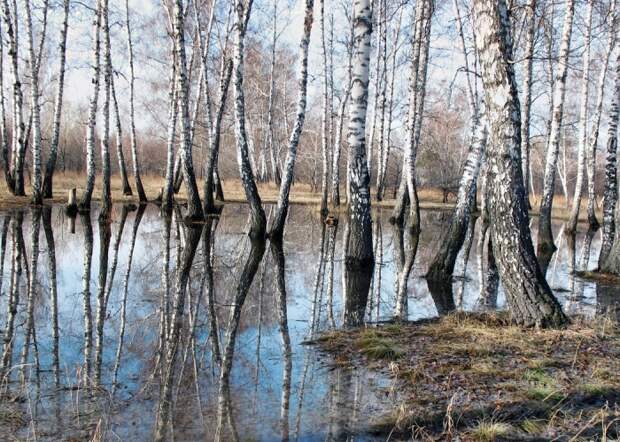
(482, 379)
(430, 198)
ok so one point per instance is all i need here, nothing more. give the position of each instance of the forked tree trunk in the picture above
(50, 167)
(583, 124)
(214, 150)
(35, 109)
(359, 258)
(277, 225)
(92, 114)
(404, 196)
(194, 206)
(119, 141)
(132, 123)
(545, 236)
(442, 265)
(529, 297)
(258, 220)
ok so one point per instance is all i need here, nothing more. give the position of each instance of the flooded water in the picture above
(98, 305)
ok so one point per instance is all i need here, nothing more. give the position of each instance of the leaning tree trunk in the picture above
(194, 206)
(442, 265)
(92, 114)
(583, 124)
(529, 297)
(404, 197)
(277, 225)
(132, 124)
(608, 260)
(214, 150)
(51, 159)
(119, 141)
(545, 236)
(359, 258)
(593, 141)
(35, 108)
(258, 220)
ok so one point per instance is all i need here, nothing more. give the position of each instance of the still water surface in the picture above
(103, 325)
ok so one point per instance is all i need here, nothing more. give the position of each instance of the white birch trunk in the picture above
(545, 237)
(51, 160)
(529, 297)
(277, 225)
(583, 123)
(92, 113)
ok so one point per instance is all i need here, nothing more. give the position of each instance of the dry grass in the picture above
(430, 198)
(484, 373)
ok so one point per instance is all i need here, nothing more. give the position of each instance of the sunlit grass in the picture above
(488, 431)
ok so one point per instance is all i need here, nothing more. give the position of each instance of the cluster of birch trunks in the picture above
(496, 40)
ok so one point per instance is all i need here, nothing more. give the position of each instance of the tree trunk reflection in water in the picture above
(31, 334)
(245, 281)
(331, 250)
(117, 242)
(208, 245)
(105, 234)
(173, 338)
(121, 332)
(51, 259)
(17, 241)
(344, 403)
(164, 302)
(410, 237)
(317, 293)
(287, 352)
(88, 316)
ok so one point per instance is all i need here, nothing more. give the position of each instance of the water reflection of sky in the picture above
(333, 400)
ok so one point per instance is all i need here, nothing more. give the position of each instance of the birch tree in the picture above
(53, 154)
(258, 220)
(106, 196)
(359, 258)
(583, 123)
(594, 132)
(545, 237)
(92, 113)
(132, 124)
(194, 206)
(276, 229)
(16, 178)
(529, 297)
(35, 108)
(442, 265)
(606, 261)
(526, 109)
